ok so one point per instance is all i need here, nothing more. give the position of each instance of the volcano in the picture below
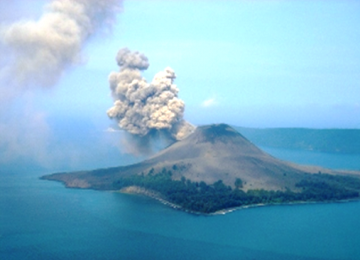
(213, 154)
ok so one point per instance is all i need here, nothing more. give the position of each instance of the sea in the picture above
(44, 220)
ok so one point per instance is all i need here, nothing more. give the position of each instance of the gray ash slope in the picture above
(210, 153)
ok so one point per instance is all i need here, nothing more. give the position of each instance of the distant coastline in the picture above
(337, 141)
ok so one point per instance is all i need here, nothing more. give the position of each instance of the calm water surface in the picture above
(43, 220)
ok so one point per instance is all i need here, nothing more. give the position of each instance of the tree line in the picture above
(205, 198)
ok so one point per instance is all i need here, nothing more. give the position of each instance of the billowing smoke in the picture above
(141, 107)
(38, 52)
(35, 53)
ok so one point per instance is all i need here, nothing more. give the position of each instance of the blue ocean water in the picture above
(43, 220)
(328, 160)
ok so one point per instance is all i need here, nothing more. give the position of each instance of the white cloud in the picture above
(112, 130)
(209, 102)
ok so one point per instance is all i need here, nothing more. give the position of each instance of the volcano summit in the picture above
(216, 168)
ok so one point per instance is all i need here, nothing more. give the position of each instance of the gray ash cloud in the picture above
(141, 107)
(38, 52)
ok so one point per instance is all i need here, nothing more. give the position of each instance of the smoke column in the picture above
(38, 52)
(35, 53)
(141, 107)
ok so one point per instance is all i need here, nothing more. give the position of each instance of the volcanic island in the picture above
(216, 169)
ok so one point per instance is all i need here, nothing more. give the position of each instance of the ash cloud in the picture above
(142, 108)
(38, 52)
(35, 53)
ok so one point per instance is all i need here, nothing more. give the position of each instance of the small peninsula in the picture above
(214, 169)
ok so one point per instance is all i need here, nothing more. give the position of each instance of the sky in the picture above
(250, 63)
(266, 63)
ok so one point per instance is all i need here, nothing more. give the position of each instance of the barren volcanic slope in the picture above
(210, 154)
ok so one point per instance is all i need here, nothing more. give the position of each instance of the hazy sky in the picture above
(248, 63)
(281, 63)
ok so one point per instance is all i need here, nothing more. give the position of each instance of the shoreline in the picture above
(294, 203)
(136, 190)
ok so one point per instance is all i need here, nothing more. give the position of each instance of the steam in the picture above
(141, 107)
(40, 51)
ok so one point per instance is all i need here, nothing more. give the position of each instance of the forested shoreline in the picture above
(204, 198)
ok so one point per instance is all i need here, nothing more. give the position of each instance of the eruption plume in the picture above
(41, 50)
(35, 53)
(141, 107)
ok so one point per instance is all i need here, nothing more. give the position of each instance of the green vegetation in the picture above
(322, 140)
(238, 183)
(201, 197)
